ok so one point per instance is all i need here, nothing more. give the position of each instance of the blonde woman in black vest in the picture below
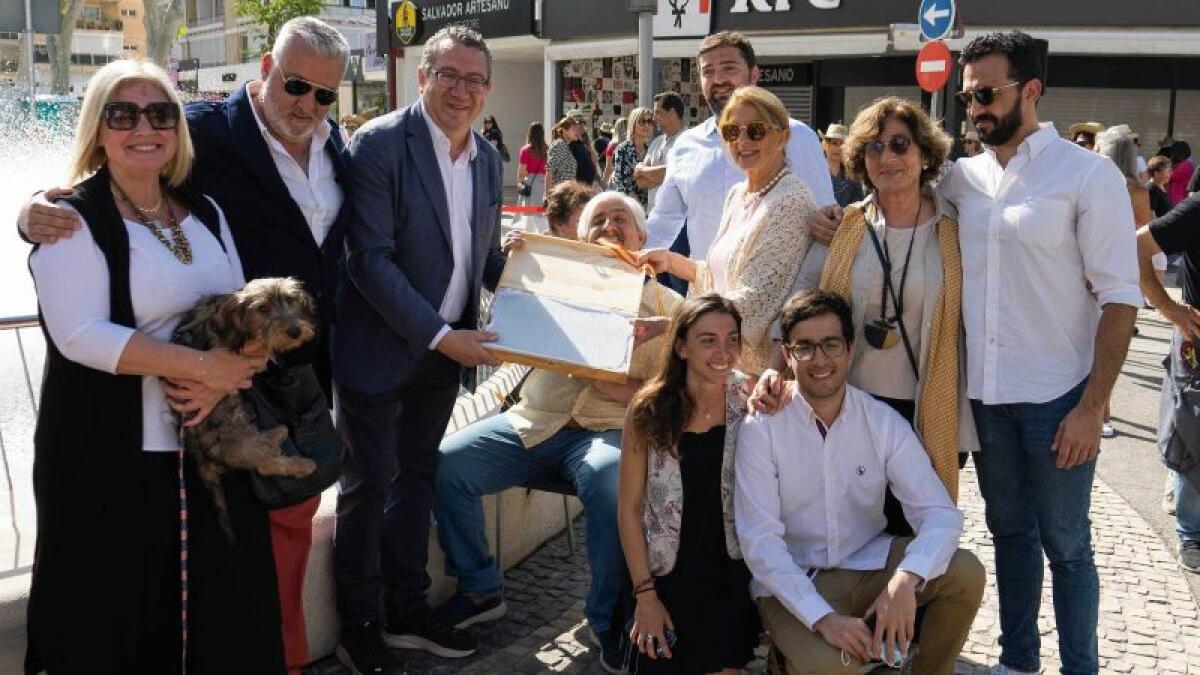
(694, 613)
(106, 591)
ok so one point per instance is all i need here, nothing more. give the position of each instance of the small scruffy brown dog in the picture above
(268, 316)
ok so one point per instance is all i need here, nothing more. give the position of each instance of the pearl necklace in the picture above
(770, 184)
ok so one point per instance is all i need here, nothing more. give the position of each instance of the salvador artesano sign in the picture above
(492, 18)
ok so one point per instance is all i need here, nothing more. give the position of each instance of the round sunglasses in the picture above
(899, 145)
(297, 86)
(123, 115)
(755, 131)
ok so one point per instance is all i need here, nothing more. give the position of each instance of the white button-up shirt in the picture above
(460, 198)
(316, 190)
(804, 502)
(700, 173)
(1046, 242)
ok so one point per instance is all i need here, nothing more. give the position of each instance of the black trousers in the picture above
(389, 461)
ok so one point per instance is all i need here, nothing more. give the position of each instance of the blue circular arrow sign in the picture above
(936, 18)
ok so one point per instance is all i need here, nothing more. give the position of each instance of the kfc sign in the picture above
(742, 6)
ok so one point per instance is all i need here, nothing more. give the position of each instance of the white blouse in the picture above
(888, 372)
(72, 283)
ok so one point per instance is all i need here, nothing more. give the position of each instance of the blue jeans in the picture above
(488, 457)
(1187, 509)
(1033, 506)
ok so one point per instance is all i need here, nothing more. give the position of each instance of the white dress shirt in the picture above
(805, 503)
(460, 197)
(315, 191)
(700, 173)
(72, 288)
(1046, 243)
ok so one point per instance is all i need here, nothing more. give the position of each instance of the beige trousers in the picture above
(951, 601)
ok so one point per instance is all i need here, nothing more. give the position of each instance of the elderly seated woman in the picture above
(565, 428)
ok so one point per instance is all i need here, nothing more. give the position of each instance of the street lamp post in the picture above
(645, 10)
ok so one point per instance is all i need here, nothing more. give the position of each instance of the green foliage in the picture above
(272, 14)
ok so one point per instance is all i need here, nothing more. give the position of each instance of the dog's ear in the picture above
(228, 323)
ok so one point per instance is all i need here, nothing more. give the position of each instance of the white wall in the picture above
(515, 101)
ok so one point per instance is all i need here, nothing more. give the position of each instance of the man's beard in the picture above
(1003, 128)
(277, 120)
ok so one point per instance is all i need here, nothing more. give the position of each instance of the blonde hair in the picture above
(767, 105)
(929, 139)
(635, 115)
(88, 155)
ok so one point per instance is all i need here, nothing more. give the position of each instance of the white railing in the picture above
(17, 325)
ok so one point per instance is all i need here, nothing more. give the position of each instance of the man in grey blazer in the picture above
(426, 190)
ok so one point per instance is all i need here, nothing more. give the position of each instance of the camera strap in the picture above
(897, 302)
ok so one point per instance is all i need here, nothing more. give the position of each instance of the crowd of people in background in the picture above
(835, 324)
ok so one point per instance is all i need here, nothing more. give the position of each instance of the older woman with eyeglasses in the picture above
(114, 556)
(631, 151)
(896, 258)
(763, 237)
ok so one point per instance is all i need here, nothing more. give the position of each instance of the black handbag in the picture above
(525, 187)
(292, 396)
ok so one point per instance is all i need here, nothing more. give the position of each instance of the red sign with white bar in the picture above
(933, 66)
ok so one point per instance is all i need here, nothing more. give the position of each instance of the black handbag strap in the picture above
(889, 289)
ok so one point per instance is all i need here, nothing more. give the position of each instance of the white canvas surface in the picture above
(556, 329)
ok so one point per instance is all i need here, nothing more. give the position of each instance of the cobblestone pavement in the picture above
(1148, 617)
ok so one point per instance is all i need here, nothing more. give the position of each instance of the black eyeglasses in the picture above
(899, 145)
(832, 347)
(755, 131)
(648, 121)
(475, 85)
(983, 95)
(123, 115)
(297, 86)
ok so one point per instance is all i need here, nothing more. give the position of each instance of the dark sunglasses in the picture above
(755, 131)
(983, 95)
(299, 87)
(123, 115)
(899, 145)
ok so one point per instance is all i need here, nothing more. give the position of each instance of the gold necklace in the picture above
(178, 244)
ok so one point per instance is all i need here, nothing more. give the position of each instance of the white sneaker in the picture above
(1001, 669)
(1107, 431)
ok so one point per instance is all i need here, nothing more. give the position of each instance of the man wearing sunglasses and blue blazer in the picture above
(426, 190)
(276, 164)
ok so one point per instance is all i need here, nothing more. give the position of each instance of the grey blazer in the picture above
(398, 251)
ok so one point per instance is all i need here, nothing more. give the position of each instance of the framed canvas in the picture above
(566, 306)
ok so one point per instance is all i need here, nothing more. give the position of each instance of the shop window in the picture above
(606, 89)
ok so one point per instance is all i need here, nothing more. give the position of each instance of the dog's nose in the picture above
(294, 332)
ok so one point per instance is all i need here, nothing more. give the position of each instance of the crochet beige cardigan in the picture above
(765, 264)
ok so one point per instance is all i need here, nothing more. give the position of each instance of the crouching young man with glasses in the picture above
(835, 591)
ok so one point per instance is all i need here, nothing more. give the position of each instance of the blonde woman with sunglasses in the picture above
(108, 474)
(763, 238)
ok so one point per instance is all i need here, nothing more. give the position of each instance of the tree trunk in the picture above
(59, 47)
(163, 19)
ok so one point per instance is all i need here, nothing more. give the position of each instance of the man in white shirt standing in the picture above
(1050, 296)
(700, 171)
(669, 116)
(808, 506)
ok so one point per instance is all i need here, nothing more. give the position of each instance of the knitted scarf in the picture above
(938, 407)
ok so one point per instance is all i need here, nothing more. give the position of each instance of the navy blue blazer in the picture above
(234, 166)
(399, 258)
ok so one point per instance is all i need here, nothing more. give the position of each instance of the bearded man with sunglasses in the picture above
(1050, 296)
(275, 163)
